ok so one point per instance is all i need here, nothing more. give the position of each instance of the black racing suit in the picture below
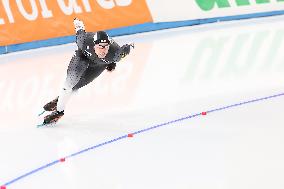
(85, 65)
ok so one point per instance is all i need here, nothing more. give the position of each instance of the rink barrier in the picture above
(146, 27)
(132, 134)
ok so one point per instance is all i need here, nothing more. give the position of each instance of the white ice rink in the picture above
(171, 74)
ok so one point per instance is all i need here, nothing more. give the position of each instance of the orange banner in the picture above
(30, 20)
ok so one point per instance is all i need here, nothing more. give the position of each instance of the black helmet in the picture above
(101, 37)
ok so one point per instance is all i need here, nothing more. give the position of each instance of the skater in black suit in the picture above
(96, 52)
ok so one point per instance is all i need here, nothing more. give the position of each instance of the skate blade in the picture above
(46, 125)
(41, 113)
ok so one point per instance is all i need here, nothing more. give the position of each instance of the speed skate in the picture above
(49, 120)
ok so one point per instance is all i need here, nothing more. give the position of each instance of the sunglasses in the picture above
(102, 46)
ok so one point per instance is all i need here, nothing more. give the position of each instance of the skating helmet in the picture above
(101, 37)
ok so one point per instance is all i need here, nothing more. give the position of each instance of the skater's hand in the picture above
(78, 24)
(122, 52)
(126, 49)
(111, 67)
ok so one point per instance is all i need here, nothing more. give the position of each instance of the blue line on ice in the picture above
(138, 132)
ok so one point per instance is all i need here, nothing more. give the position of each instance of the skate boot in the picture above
(51, 106)
(53, 117)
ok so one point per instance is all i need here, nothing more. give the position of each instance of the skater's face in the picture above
(101, 49)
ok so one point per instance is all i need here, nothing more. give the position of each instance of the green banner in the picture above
(207, 5)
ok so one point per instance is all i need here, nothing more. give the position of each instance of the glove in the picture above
(111, 67)
(122, 52)
(78, 24)
(126, 49)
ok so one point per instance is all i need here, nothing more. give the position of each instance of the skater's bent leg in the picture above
(63, 99)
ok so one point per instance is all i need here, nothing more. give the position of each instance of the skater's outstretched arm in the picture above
(85, 40)
(117, 53)
(123, 51)
(80, 32)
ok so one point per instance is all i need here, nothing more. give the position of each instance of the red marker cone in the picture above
(204, 113)
(130, 135)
